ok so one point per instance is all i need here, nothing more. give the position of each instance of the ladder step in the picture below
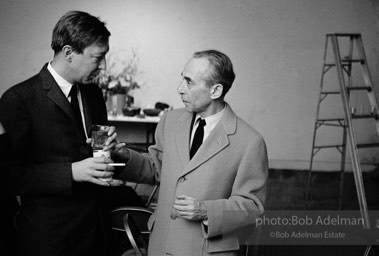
(345, 62)
(359, 88)
(366, 116)
(333, 64)
(345, 34)
(330, 92)
(329, 146)
(338, 122)
(331, 119)
(352, 61)
(367, 145)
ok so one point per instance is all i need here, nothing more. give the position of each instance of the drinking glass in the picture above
(99, 134)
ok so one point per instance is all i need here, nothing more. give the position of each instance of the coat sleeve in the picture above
(22, 177)
(248, 194)
(144, 167)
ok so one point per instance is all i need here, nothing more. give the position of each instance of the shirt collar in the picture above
(62, 83)
(212, 120)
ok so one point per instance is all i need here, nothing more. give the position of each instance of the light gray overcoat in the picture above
(228, 172)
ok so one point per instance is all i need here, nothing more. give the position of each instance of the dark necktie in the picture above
(76, 110)
(198, 137)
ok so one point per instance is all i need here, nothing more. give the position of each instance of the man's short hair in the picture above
(221, 69)
(79, 30)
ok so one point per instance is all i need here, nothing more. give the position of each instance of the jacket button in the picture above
(173, 215)
(182, 179)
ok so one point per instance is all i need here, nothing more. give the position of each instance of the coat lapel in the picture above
(182, 137)
(54, 93)
(216, 141)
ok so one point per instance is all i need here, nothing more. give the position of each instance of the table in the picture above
(134, 119)
(149, 121)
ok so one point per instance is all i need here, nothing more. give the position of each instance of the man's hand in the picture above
(120, 154)
(111, 143)
(91, 169)
(190, 208)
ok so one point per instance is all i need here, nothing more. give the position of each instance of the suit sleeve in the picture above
(145, 167)
(21, 175)
(248, 194)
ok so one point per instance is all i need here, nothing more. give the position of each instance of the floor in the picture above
(287, 191)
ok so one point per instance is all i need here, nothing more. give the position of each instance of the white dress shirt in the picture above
(211, 122)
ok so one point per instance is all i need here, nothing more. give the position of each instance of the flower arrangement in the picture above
(119, 77)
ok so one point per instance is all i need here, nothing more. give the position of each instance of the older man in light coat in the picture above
(207, 195)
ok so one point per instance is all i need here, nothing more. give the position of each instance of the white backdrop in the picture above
(276, 47)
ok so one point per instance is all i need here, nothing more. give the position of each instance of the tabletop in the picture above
(134, 119)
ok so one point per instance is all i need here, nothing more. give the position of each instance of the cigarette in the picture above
(117, 164)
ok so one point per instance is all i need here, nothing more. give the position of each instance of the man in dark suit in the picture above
(48, 119)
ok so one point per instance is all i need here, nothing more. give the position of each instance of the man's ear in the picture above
(216, 91)
(67, 52)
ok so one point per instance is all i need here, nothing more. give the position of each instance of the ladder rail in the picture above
(367, 78)
(350, 133)
(325, 69)
(344, 133)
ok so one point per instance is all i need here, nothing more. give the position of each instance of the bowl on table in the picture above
(130, 111)
(161, 105)
(152, 111)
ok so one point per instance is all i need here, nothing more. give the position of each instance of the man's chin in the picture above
(187, 107)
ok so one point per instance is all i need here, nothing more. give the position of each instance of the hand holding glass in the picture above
(99, 134)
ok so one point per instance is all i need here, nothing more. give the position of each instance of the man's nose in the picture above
(180, 87)
(103, 64)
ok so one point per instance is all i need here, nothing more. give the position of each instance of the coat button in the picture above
(173, 215)
(182, 179)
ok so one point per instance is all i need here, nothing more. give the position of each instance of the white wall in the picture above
(276, 47)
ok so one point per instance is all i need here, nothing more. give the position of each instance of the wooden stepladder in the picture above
(345, 69)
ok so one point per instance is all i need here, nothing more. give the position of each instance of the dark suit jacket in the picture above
(58, 216)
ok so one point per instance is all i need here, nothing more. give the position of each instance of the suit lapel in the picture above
(216, 141)
(86, 109)
(54, 93)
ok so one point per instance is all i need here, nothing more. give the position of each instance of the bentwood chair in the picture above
(132, 221)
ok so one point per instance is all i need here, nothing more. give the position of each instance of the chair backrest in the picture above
(149, 194)
(133, 222)
(151, 197)
(134, 235)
